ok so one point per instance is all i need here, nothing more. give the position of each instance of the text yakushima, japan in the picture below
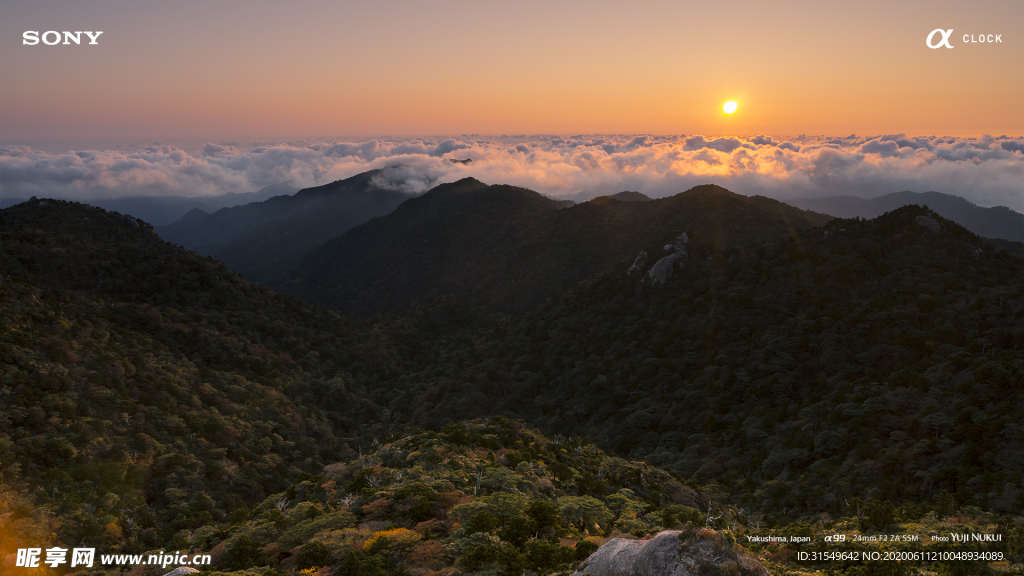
(53, 37)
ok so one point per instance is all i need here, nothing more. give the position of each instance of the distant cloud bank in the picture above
(988, 170)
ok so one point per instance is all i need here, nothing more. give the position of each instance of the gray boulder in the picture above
(662, 270)
(129, 220)
(691, 552)
(929, 223)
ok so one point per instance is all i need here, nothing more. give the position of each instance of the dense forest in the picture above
(146, 388)
(860, 373)
(866, 358)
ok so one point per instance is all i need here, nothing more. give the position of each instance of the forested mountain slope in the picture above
(149, 395)
(164, 210)
(262, 240)
(144, 388)
(490, 496)
(995, 222)
(872, 358)
(508, 248)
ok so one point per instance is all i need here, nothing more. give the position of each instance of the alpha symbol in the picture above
(945, 38)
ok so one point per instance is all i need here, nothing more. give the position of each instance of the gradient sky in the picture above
(246, 69)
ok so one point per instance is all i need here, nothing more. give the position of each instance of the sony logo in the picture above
(52, 37)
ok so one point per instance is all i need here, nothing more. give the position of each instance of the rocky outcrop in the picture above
(638, 263)
(136, 224)
(182, 571)
(929, 223)
(662, 269)
(690, 552)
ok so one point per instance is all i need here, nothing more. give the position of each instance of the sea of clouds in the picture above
(988, 171)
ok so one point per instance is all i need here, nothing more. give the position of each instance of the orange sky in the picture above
(234, 69)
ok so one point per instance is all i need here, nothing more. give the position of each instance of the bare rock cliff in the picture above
(690, 552)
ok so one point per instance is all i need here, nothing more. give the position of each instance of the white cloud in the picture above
(987, 171)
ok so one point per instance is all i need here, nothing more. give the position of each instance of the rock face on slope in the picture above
(929, 223)
(691, 552)
(662, 269)
(182, 571)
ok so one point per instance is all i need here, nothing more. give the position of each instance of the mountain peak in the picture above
(363, 178)
(997, 222)
(709, 190)
(261, 240)
(464, 186)
(194, 214)
(508, 248)
(626, 196)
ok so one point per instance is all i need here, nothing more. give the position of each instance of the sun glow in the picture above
(730, 107)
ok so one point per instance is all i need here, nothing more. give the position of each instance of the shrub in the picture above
(243, 552)
(312, 555)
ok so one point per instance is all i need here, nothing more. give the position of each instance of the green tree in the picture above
(544, 514)
(518, 530)
(314, 554)
(880, 514)
(241, 553)
(583, 511)
(482, 522)
(542, 556)
(584, 548)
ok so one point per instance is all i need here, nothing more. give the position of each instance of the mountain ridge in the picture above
(262, 240)
(996, 222)
(456, 239)
(165, 210)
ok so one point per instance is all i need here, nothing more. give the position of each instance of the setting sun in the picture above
(730, 107)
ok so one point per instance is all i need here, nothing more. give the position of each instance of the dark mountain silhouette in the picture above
(508, 248)
(621, 197)
(997, 222)
(163, 210)
(628, 196)
(262, 240)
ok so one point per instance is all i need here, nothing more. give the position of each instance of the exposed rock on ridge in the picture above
(662, 269)
(929, 223)
(690, 552)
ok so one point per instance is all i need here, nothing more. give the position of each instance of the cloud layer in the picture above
(987, 170)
